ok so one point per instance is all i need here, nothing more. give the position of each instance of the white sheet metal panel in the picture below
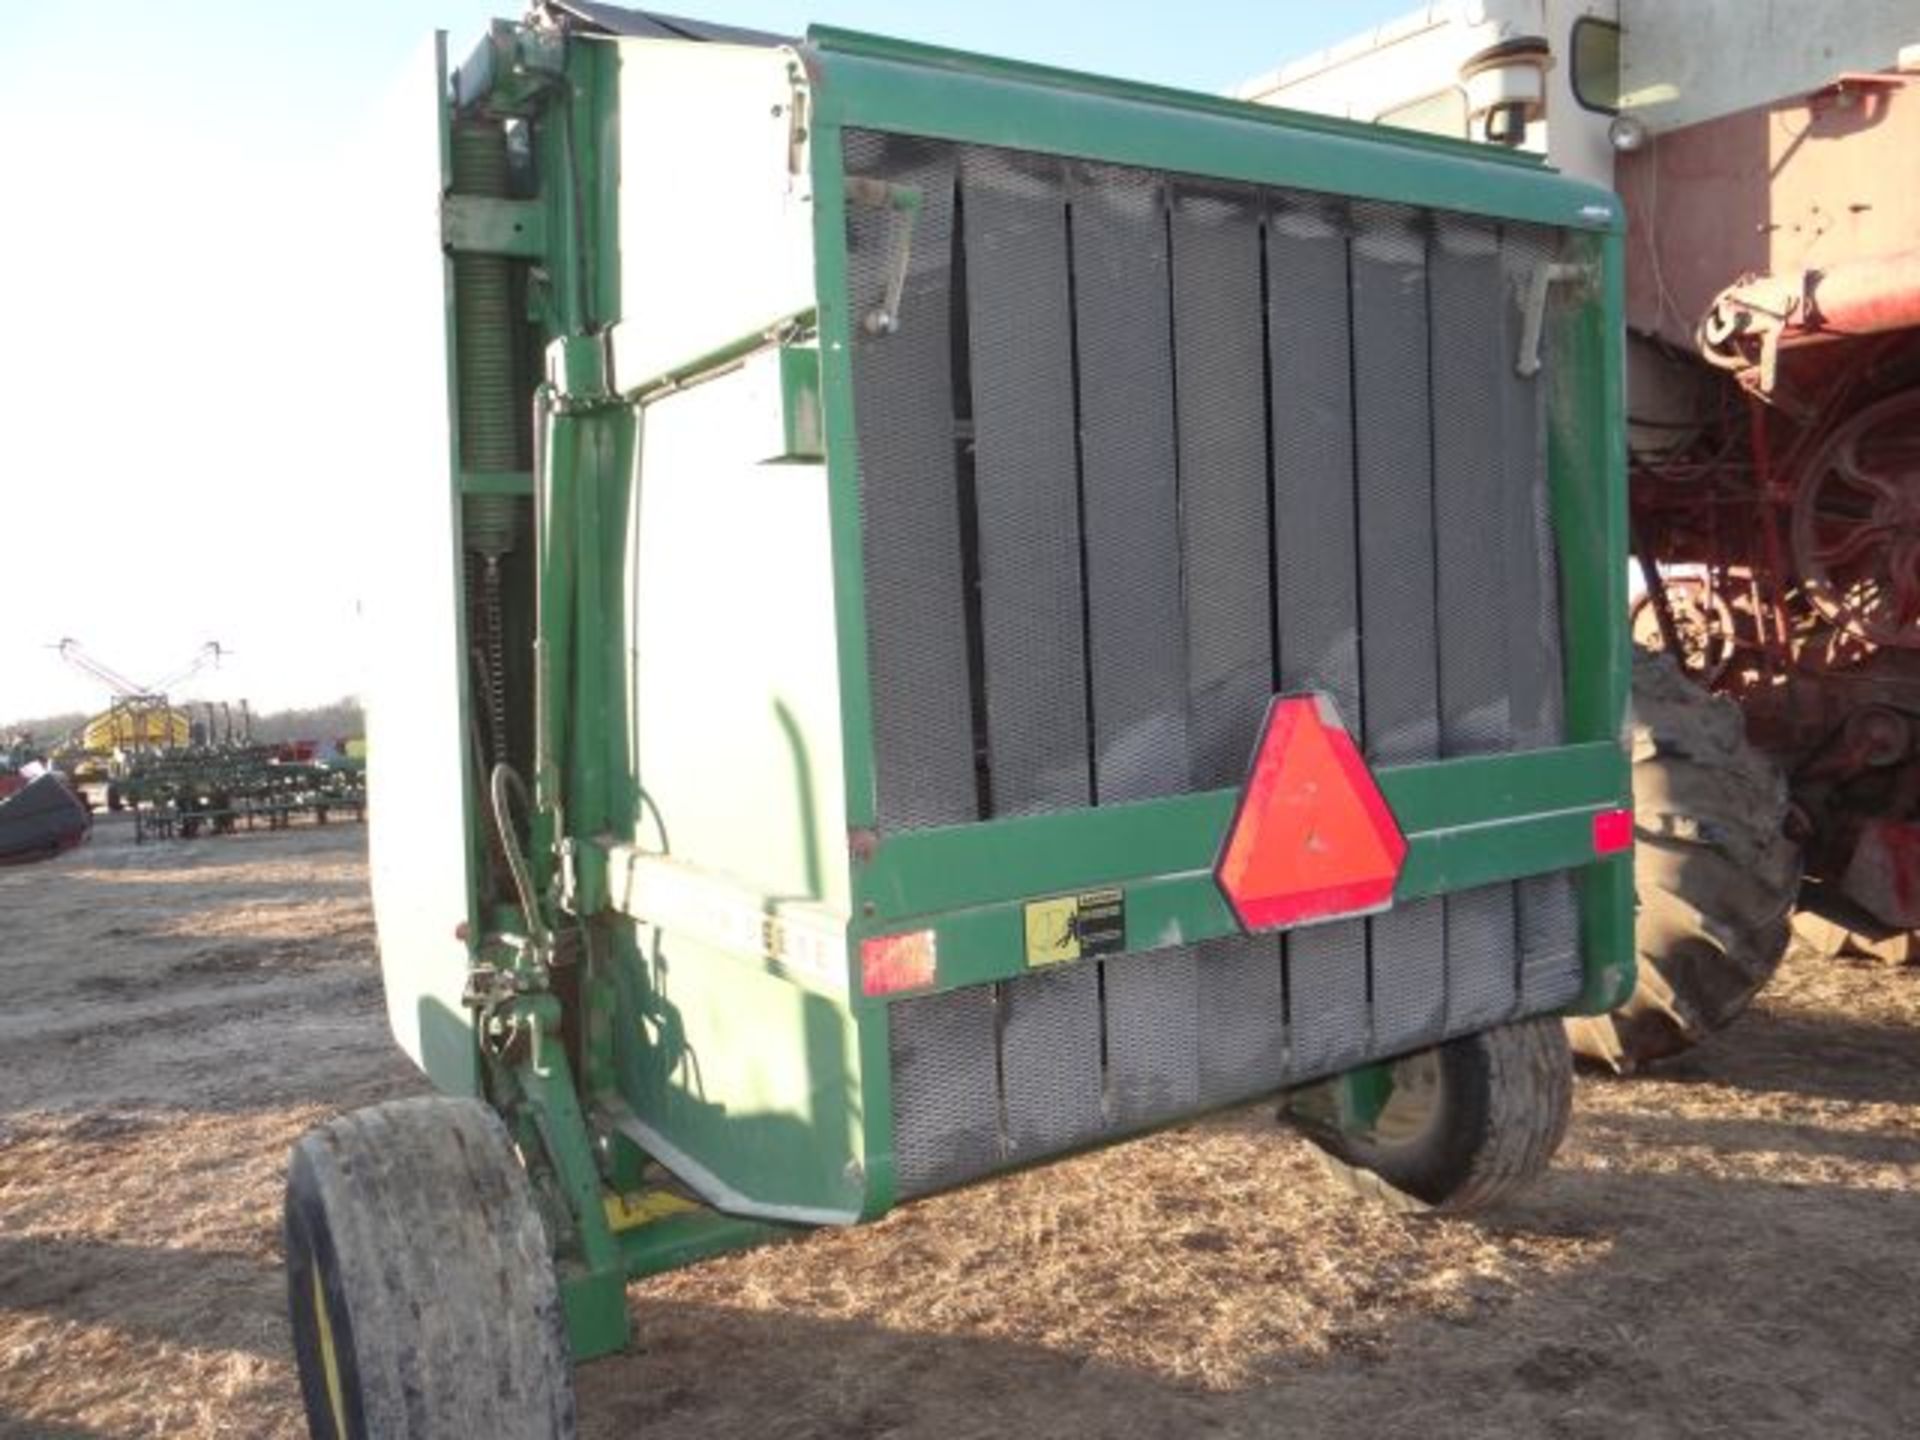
(416, 747)
(1680, 64)
(716, 203)
(1384, 74)
(735, 699)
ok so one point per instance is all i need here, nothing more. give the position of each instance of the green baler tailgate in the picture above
(1118, 388)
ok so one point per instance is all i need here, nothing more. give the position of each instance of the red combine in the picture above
(1781, 510)
(1766, 158)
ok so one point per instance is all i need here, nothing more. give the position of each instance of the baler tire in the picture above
(1715, 873)
(1497, 1111)
(420, 1285)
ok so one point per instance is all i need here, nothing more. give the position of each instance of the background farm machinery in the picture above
(138, 720)
(226, 782)
(1788, 577)
(1773, 376)
(1776, 459)
(195, 768)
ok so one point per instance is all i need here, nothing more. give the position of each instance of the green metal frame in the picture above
(894, 85)
(1468, 822)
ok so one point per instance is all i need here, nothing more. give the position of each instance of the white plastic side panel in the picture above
(417, 798)
(736, 684)
(716, 205)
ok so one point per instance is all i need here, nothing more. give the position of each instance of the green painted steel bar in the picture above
(1441, 861)
(868, 81)
(835, 322)
(987, 943)
(677, 1240)
(835, 326)
(611, 640)
(570, 186)
(557, 439)
(1587, 468)
(581, 449)
(592, 1282)
(518, 483)
(599, 150)
(715, 362)
(1587, 463)
(587, 788)
(553, 646)
(493, 225)
(842, 42)
(1449, 810)
(876, 1110)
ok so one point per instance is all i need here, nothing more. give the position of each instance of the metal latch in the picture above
(902, 202)
(1533, 309)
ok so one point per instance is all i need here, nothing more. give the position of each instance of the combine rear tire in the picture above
(1468, 1123)
(1714, 870)
(419, 1282)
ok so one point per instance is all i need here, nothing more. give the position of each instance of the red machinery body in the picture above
(1811, 183)
(1773, 288)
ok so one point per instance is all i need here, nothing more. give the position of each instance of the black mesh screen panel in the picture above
(1142, 451)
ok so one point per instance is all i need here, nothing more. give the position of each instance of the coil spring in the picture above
(483, 312)
(489, 424)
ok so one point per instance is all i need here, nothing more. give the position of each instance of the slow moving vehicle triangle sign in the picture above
(1312, 838)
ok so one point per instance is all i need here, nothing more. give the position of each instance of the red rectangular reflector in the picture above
(891, 963)
(1612, 832)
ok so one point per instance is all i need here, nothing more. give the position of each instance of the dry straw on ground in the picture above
(1731, 1248)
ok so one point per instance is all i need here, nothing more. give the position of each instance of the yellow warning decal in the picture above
(643, 1207)
(1076, 927)
(1053, 931)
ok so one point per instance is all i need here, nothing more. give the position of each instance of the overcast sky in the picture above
(179, 408)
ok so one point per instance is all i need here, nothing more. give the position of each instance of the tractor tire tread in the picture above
(1715, 873)
(451, 1312)
(1508, 1099)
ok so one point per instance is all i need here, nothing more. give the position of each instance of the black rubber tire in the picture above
(1714, 870)
(415, 1222)
(1487, 1126)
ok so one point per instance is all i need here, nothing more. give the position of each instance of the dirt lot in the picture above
(1732, 1249)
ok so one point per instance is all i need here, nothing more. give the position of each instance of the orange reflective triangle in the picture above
(1313, 837)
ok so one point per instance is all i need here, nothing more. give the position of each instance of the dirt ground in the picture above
(1731, 1249)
